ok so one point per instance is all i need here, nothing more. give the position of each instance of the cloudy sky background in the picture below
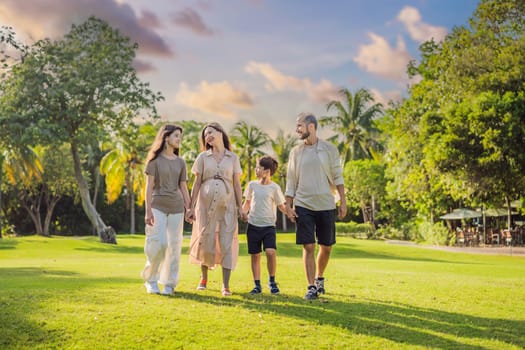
(262, 61)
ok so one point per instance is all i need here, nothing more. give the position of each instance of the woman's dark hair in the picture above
(218, 127)
(160, 141)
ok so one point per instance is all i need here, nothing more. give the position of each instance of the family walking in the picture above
(216, 203)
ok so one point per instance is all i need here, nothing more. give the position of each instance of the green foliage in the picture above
(355, 131)
(434, 233)
(248, 140)
(353, 229)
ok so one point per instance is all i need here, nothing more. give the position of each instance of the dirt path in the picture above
(499, 250)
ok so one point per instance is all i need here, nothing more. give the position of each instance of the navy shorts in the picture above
(260, 236)
(312, 226)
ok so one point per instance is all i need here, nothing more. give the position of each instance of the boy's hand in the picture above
(291, 214)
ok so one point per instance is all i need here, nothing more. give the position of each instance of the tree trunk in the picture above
(509, 212)
(285, 224)
(132, 212)
(34, 213)
(95, 195)
(105, 233)
(51, 202)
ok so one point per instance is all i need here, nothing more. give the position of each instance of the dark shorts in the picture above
(312, 226)
(260, 236)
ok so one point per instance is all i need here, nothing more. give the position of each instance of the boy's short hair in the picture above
(268, 162)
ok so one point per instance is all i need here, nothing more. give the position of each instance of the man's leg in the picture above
(309, 262)
(322, 259)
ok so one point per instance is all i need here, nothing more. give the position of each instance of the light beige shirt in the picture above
(264, 200)
(167, 174)
(313, 173)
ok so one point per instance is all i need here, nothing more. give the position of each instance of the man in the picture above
(314, 177)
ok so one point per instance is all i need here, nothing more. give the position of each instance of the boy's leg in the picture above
(271, 261)
(256, 266)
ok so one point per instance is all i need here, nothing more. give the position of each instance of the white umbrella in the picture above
(461, 213)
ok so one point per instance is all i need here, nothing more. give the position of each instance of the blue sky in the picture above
(262, 61)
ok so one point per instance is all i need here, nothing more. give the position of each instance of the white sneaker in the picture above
(152, 287)
(168, 290)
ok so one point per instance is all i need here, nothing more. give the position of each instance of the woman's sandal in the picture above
(202, 284)
(226, 292)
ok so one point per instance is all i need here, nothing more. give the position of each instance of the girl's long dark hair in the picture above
(160, 141)
(225, 138)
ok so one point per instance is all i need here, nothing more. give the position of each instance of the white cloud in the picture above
(383, 60)
(417, 29)
(324, 91)
(385, 97)
(38, 19)
(220, 98)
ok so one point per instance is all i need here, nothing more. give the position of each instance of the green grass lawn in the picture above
(77, 293)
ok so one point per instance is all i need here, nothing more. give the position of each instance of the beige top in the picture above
(167, 174)
(313, 173)
(264, 200)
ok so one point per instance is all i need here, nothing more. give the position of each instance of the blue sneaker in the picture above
(319, 284)
(273, 288)
(256, 290)
(311, 294)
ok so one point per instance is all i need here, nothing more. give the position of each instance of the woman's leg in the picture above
(169, 275)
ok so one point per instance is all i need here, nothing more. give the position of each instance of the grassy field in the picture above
(76, 293)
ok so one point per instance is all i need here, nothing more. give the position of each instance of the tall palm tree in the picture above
(282, 146)
(123, 168)
(353, 124)
(249, 140)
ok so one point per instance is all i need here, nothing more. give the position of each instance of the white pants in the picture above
(163, 248)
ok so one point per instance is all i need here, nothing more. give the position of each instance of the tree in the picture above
(73, 90)
(353, 124)
(248, 140)
(476, 132)
(366, 183)
(123, 167)
(282, 146)
(40, 194)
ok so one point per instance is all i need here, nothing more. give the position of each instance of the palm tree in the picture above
(123, 168)
(282, 146)
(249, 140)
(21, 165)
(353, 124)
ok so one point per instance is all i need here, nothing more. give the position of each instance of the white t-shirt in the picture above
(264, 201)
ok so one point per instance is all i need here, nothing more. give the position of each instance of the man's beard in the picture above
(305, 135)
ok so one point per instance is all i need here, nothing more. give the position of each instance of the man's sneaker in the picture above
(256, 290)
(152, 287)
(319, 284)
(311, 294)
(168, 290)
(273, 288)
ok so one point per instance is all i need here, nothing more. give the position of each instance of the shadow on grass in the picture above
(8, 243)
(28, 288)
(400, 323)
(348, 250)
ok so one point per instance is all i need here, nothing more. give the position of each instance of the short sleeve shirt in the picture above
(167, 174)
(264, 200)
(207, 166)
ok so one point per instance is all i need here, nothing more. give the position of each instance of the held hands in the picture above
(243, 215)
(290, 213)
(190, 216)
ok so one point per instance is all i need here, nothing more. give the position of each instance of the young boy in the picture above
(262, 196)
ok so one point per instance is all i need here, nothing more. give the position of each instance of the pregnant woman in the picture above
(215, 205)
